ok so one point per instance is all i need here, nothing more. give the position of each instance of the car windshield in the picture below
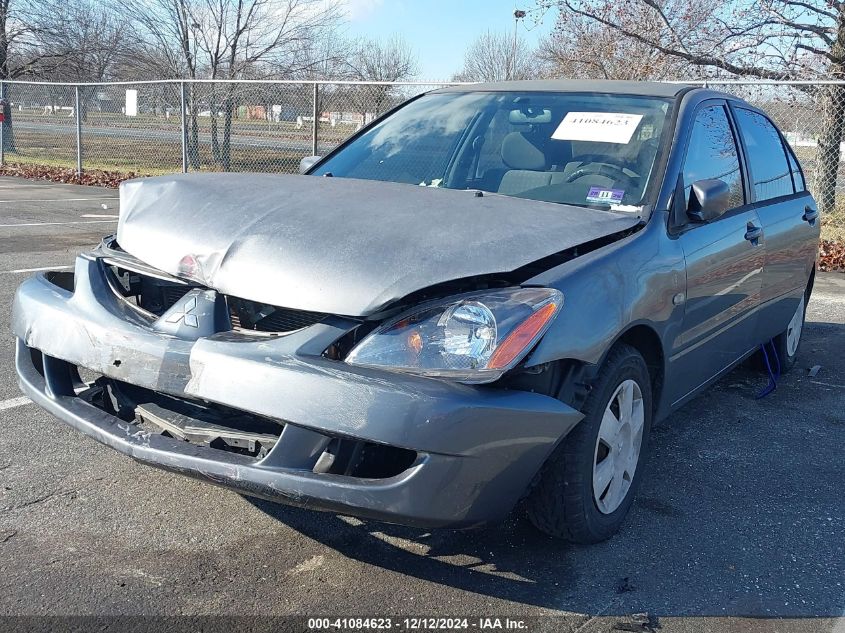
(593, 150)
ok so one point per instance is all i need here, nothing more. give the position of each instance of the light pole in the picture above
(518, 14)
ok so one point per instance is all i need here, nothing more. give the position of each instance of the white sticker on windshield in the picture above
(600, 127)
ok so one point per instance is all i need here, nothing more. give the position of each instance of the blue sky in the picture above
(440, 30)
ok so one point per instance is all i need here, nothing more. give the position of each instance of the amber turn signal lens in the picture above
(521, 337)
(415, 342)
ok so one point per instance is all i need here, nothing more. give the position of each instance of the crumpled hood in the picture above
(340, 245)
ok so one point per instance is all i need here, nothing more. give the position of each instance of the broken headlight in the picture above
(473, 338)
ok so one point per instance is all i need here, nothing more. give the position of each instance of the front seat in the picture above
(526, 165)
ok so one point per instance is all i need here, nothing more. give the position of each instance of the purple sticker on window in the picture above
(606, 196)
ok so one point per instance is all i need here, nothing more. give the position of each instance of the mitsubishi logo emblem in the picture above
(200, 312)
(185, 314)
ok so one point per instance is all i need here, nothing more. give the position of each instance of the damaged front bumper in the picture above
(474, 451)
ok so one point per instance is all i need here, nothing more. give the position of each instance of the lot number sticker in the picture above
(600, 127)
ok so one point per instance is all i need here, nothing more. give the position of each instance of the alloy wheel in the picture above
(618, 446)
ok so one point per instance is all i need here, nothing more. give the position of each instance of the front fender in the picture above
(607, 291)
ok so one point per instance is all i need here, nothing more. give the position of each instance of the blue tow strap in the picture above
(773, 375)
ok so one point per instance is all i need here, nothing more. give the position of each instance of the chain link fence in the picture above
(268, 126)
(167, 126)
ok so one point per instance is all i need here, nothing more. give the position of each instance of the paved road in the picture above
(174, 135)
(739, 521)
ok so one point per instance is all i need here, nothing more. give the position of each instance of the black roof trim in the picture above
(644, 88)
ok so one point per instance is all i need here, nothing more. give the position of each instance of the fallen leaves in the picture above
(832, 256)
(94, 177)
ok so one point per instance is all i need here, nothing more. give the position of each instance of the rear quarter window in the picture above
(797, 174)
(770, 175)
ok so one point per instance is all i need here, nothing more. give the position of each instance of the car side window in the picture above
(797, 174)
(770, 173)
(712, 154)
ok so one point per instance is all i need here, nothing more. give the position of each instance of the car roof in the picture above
(644, 88)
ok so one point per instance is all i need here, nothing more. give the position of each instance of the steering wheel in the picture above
(608, 171)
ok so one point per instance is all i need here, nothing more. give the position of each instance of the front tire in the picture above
(588, 484)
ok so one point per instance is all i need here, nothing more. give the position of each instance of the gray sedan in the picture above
(481, 301)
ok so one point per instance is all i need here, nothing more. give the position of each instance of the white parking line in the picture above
(58, 200)
(34, 270)
(827, 384)
(16, 186)
(13, 402)
(98, 215)
(4, 226)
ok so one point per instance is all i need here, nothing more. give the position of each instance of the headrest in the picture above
(519, 153)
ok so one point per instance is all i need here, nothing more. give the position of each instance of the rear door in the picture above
(789, 217)
(724, 260)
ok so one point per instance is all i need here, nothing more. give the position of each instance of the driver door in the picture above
(724, 260)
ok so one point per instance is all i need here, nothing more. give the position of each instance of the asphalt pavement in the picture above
(738, 525)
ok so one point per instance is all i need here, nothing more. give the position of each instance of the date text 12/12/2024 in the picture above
(417, 624)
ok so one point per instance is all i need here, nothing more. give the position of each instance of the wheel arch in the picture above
(569, 379)
(647, 342)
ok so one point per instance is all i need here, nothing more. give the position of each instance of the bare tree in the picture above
(767, 39)
(584, 48)
(89, 39)
(232, 39)
(21, 23)
(89, 42)
(25, 28)
(272, 34)
(168, 30)
(371, 60)
(8, 37)
(498, 57)
(327, 56)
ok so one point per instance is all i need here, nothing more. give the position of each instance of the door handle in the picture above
(753, 233)
(810, 215)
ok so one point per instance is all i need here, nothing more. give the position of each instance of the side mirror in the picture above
(307, 163)
(708, 200)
